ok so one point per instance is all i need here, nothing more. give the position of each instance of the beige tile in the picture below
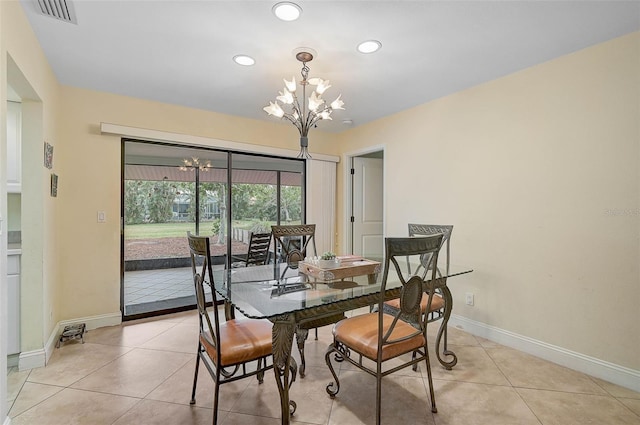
(191, 317)
(526, 371)
(30, 395)
(135, 374)
(631, 403)
(177, 388)
(313, 402)
(259, 399)
(474, 365)
(128, 334)
(15, 381)
(240, 419)
(74, 407)
(462, 403)
(404, 400)
(617, 390)
(314, 350)
(150, 412)
(171, 318)
(553, 407)
(72, 362)
(183, 337)
(487, 343)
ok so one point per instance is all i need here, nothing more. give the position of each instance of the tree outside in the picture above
(156, 210)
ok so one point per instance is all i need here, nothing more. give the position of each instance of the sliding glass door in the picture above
(169, 190)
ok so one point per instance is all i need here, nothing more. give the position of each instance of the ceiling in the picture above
(180, 52)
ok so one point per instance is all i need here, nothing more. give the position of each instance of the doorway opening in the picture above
(365, 204)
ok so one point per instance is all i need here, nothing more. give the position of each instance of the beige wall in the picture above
(538, 171)
(28, 72)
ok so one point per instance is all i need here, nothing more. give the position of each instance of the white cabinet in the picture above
(14, 147)
(13, 280)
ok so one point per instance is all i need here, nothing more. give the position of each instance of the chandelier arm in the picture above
(312, 118)
(315, 120)
(293, 121)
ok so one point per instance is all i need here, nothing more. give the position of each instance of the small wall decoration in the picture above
(54, 185)
(48, 155)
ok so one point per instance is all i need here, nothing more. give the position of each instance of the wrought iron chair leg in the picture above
(195, 377)
(378, 397)
(336, 383)
(216, 395)
(415, 365)
(260, 374)
(433, 397)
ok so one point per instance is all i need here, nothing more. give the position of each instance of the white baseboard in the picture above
(94, 322)
(619, 375)
(39, 358)
(32, 359)
(7, 421)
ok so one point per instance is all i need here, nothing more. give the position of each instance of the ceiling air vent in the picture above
(59, 9)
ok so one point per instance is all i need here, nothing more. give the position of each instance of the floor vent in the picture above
(59, 9)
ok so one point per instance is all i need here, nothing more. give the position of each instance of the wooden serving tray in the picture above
(350, 266)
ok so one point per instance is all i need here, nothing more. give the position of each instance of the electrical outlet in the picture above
(469, 298)
(102, 217)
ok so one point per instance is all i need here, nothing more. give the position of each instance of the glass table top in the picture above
(261, 292)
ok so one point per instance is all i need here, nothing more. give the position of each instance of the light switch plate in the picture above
(102, 217)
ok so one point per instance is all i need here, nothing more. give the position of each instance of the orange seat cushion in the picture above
(437, 303)
(241, 341)
(360, 333)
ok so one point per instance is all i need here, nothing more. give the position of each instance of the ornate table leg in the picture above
(301, 337)
(284, 366)
(448, 307)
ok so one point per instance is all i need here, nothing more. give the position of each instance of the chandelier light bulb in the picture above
(290, 85)
(338, 103)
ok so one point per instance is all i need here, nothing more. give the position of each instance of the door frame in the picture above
(347, 237)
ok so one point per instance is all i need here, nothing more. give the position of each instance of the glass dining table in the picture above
(289, 298)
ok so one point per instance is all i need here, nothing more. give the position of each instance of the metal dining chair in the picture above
(231, 349)
(295, 242)
(437, 308)
(381, 336)
(257, 253)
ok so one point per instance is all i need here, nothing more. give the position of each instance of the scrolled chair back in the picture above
(200, 253)
(413, 285)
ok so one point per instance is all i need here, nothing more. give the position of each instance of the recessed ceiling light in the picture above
(244, 60)
(369, 46)
(287, 11)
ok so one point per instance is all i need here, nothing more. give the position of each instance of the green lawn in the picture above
(171, 230)
(160, 230)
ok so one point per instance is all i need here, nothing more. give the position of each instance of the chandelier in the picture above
(194, 164)
(312, 109)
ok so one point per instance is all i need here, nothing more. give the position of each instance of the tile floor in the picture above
(141, 373)
(152, 290)
(143, 286)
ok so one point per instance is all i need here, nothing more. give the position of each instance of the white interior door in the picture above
(367, 209)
